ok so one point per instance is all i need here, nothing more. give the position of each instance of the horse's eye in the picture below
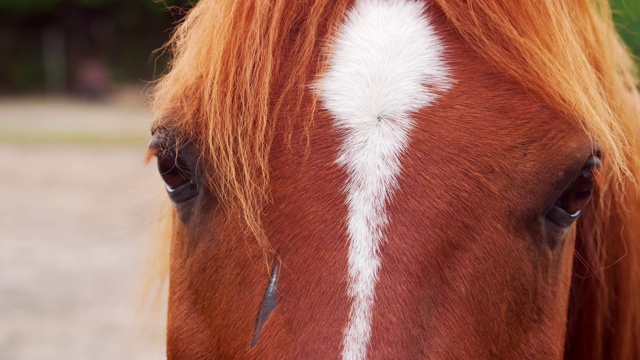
(567, 208)
(578, 194)
(177, 175)
(172, 170)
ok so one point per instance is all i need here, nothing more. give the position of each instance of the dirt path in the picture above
(74, 226)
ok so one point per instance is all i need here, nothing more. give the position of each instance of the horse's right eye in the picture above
(172, 171)
(177, 176)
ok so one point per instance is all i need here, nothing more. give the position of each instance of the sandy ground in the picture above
(75, 224)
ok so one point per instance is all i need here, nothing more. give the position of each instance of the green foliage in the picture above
(626, 14)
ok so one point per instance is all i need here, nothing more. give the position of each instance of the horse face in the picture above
(435, 225)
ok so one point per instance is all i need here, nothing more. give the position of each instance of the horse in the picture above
(407, 179)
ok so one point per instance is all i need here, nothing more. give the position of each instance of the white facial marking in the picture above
(387, 63)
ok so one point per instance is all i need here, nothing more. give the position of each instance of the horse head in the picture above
(400, 179)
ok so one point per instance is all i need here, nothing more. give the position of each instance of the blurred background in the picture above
(78, 207)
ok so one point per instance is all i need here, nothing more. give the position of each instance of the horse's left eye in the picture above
(578, 194)
(567, 208)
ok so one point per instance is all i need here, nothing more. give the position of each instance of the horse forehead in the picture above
(387, 63)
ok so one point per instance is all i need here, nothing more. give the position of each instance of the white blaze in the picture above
(386, 64)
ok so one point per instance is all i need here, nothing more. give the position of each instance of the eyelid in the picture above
(594, 161)
(163, 137)
(161, 142)
(156, 145)
(151, 153)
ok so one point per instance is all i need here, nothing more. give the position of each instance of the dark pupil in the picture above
(172, 170)
(577, 196)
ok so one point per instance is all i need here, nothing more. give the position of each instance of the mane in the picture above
(567, 52)
(237, 51)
